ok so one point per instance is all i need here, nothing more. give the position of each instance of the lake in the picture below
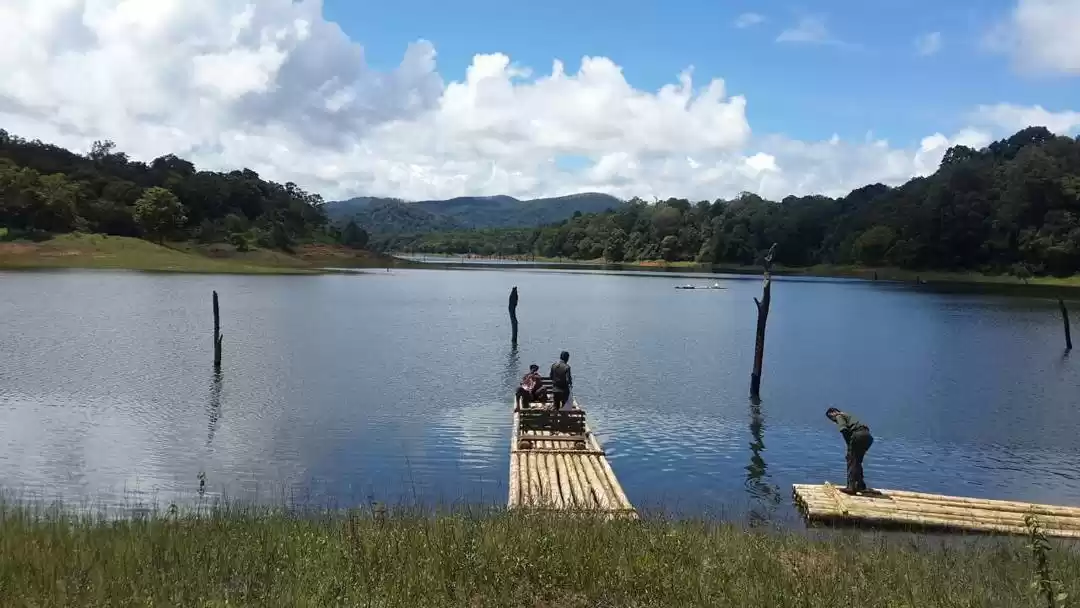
(341, 389)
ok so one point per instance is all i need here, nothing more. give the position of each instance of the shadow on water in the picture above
(213, 405)
(765, 496)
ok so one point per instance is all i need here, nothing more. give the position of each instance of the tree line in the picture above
(46, 189)
(1012, 206)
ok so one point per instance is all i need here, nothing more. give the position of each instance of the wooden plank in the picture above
(562, 450)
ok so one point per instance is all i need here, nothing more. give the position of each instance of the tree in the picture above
(354, 236)
(871, 245)
(158, 212)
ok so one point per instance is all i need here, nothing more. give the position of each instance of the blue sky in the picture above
(875, 81)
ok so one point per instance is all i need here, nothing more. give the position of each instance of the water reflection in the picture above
(512, 368)
(764, 494)
(213, 405)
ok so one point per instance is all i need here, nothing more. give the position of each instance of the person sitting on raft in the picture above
(532, 387)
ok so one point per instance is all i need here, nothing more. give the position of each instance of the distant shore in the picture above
(98, 251)
(822, 270)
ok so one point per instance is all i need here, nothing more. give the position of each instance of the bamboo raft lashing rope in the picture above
(556, 463)
(826, 504)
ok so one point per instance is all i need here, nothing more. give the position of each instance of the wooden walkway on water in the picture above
(557, 464)
(826, 504)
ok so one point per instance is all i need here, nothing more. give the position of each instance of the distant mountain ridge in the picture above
(395, 216)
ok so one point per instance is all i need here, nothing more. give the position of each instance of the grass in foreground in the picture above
(116, 252)
(248, 557)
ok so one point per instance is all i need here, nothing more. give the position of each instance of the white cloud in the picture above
(809, 30)
(928, 44)
(275, 87)
(1011, 118)
(746, 20)
(1041, 35)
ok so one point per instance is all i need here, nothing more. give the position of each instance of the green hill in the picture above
(394, 216)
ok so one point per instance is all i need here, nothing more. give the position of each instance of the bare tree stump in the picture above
(217, 333)
(513, 315)
(762, 319)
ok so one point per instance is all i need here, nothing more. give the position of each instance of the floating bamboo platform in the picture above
(826, 504)
(557, 464)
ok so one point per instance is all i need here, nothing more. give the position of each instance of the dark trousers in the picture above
(856, 449)
(559, 398)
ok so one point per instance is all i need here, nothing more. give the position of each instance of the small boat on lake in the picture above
(826, 504)
(557, 464)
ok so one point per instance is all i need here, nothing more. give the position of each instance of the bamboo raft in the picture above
(557, 464)
(826, 504)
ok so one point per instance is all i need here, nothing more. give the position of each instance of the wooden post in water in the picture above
(762, 318)
(217, 333)
(1065, 319)
(513, 315)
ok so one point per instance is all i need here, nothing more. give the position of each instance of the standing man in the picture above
(561, 380)
(858, 439)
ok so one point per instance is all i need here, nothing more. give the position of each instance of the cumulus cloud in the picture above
(1011, 118)
(928, 44)
(746, 20)
(275, 87)
(1041, 35)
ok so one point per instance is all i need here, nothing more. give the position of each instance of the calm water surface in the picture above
(396, 386)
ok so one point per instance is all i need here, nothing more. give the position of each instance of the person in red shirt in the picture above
(531, 388)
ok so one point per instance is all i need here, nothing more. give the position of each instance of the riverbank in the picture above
(241, 557)
(821, 270)
(98, 251)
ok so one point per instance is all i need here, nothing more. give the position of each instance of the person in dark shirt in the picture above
(858, 439)
(561, 380)
(532, 387)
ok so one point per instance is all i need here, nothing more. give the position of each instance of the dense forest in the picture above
(1012, 206)
(47, 189)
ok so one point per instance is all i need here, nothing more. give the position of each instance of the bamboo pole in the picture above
(615, 485)
(536, 497)
(564, 481)
(597, 487)
(583, 482)
(514, 461)
(1065, 320)
(553, 481)
(762, 319)
(580, 500)
(542, 480)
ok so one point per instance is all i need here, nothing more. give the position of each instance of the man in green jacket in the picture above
(858, 439)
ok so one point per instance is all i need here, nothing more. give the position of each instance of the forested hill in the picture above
(394, 216)
(1014, 205)
(48, 189)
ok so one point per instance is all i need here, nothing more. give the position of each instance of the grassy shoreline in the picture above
(97, 251)
(247, 556)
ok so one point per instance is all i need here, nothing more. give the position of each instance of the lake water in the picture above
(396, 386)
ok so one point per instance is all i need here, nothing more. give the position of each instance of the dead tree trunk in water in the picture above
(217, 334)
(1065, 319)
(762, 319)
(513, 315)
